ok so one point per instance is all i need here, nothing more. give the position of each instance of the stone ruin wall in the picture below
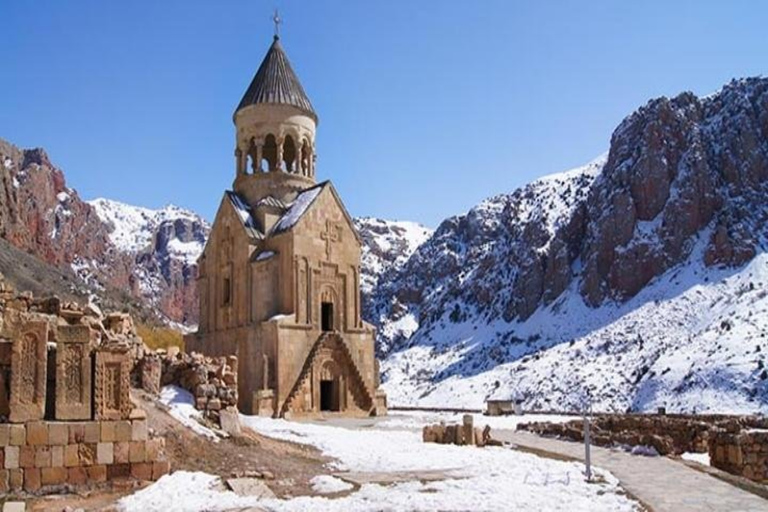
(66, 416)
(742, 452)
(212, 381)
(736, 444)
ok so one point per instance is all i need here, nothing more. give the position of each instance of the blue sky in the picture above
(425, 107)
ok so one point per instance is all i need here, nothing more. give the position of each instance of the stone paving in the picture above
(663, 484)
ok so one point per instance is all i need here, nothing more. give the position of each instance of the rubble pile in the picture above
(461, 435)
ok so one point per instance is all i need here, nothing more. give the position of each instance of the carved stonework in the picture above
(331, 235)
(29, 362)
(73, 373)
(112, 390)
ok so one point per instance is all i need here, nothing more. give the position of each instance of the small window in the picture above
(226, 292)
(327, 316)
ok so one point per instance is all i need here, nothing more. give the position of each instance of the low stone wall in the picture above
(50, 453)
(743, 453)
(667, 434)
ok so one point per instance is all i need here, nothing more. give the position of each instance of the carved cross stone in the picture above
(29, 365)
(73, 372)
(112, 388)
(330, 235)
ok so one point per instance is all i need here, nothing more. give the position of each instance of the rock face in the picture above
(164, 246)
(107, 244)
(680, 193)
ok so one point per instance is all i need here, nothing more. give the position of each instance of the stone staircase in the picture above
(360, 393)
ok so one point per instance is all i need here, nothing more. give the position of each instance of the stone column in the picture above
(259, 157)
(279, 162)
(29, 366)
(240, 161)
(112, 388)
(73, 372)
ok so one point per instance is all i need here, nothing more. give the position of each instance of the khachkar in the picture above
(279, 279)
(40, 339)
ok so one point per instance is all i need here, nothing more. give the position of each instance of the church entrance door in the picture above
(329, 395)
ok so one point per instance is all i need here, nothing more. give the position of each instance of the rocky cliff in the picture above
(40, 215)
(675, 211)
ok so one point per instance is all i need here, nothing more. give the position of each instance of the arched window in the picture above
(289, 154)
(269, 153)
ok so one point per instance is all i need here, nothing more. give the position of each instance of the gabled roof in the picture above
(276, 83)
(245, 216)
(298, 207)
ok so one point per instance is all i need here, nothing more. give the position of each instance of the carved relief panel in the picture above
(73, 373)
(29, 361)
(112, 390)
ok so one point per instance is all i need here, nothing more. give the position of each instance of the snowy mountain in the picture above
(639, 280)
(387, 245)
(164, 245)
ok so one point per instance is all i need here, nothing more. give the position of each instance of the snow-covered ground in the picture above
(701, 458)
(492, 479)
(181, 405)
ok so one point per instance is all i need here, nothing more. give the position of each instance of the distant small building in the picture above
(503, 402)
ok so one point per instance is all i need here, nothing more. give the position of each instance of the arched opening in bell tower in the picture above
(289, 154)
(269, 153)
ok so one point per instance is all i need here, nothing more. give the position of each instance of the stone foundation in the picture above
(461, 435)
(48, 453)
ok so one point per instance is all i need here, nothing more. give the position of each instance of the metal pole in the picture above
(587, 457)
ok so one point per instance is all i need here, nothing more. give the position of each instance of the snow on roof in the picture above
(297, 208)
(244, 212)
(264, 255)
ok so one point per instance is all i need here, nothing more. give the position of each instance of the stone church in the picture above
(279, 279)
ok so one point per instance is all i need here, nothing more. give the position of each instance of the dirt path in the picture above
(663, 484)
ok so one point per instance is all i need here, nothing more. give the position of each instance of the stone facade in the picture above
(740, 452)
(279, 279)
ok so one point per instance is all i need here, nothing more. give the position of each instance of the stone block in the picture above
(29, 366)
(139, 431)
(137, 414)
(12, 457)
(137, 451)
(15, 479)
(86, 453)
(17, 435)
(151, 372)
(53, 476)
(5, 435)
(97, 473)
(57, 456)
(92, 432)
(76, 433)
(58, 434)
(122, 452)
(5, 486)
(77, 475)
(123, 431)
(160, 468)
(26, 456)
(32, 480)
(43, 457)
(37, 433)
(105, 453)
(141, 471)
(112, 387)
(73, 372)
(155, 449)
(108, 431)
(71, 455)
(230, 421)
(115, 471)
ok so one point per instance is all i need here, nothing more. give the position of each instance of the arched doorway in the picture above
(331, 387)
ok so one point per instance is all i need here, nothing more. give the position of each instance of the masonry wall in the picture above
(48, 453)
